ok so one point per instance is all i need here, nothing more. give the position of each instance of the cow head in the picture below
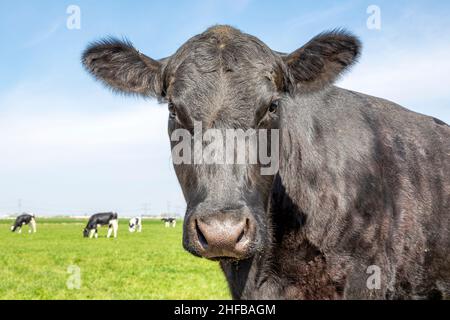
(223, 79)
(86, 232)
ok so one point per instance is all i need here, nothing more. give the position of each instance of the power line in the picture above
(51, 209)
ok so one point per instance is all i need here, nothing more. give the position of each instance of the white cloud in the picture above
(43, 138)
(81, 130)
(67, 161)
(417, 78)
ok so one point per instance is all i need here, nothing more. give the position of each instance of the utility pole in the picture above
(179, 209)
(146, 208)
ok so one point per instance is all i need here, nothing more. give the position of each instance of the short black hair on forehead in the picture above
(220, 49)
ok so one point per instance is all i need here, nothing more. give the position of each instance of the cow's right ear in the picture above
(121, 67)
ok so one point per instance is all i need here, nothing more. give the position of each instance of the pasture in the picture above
(147, 265)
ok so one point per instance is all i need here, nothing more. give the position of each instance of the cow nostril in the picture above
(241, 235)
(201, 237)
(218, 237)
(244, 230)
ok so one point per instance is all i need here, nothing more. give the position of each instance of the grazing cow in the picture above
(135, 224)
(169, 222)
(97, 220)
(359, 207)
(28, 219)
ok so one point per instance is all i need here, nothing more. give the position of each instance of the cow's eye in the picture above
(274, 106)
(172, 111)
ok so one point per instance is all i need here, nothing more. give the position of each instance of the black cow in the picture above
(360, 205)
(97, 220)
(24, 219)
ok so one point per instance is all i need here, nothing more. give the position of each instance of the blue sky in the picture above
(69, 146)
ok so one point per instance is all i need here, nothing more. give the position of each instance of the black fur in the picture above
(362, 181)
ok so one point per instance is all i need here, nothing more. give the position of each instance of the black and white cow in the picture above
(23, 219)
(169, 222)
(135, 224)
(101, 219)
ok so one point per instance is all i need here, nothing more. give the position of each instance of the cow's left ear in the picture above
(321, 61)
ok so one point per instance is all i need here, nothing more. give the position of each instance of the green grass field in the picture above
(147, 265)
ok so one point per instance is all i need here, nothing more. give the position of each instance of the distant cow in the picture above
(97, 220)
(135, 224)
(28, 219)
(169, 222)
(359, 207)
